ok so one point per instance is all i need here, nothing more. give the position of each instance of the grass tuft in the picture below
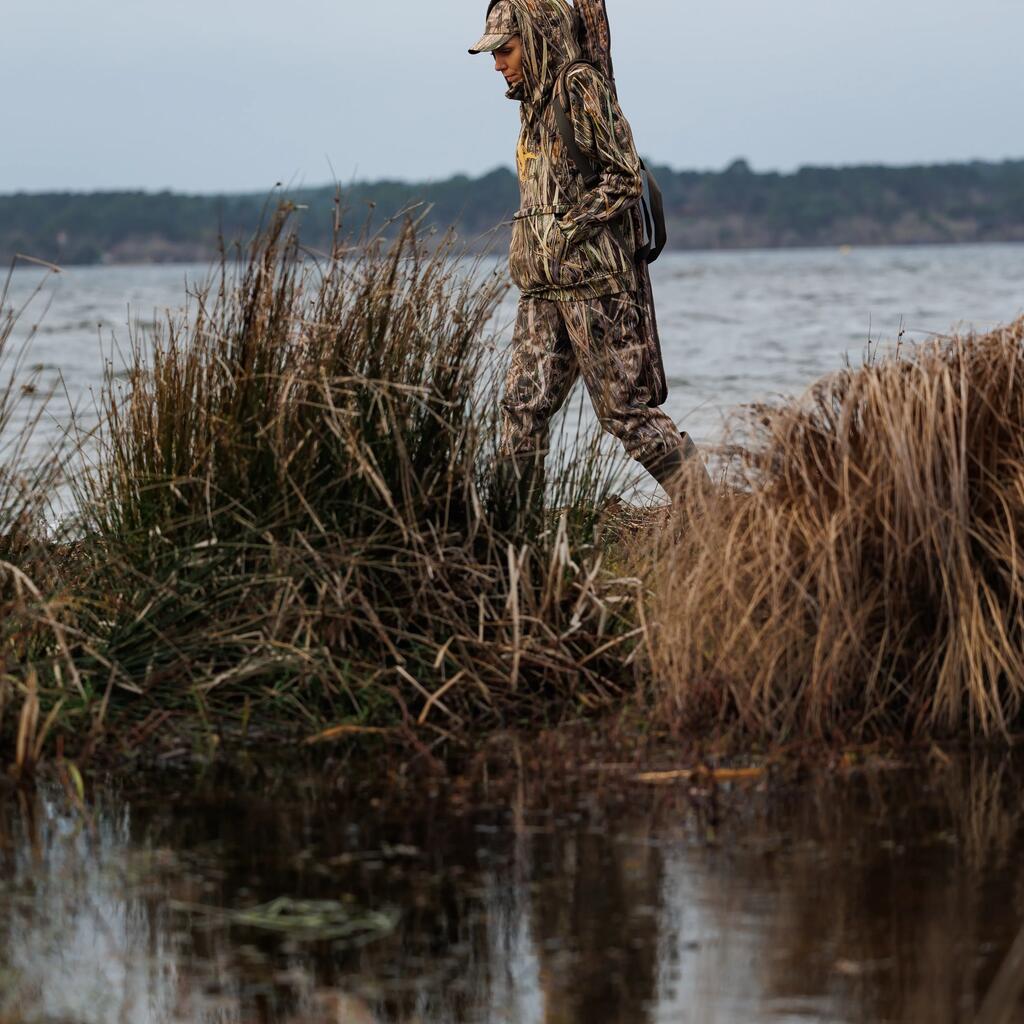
(861, 574)
(296, 523)
(292, 516)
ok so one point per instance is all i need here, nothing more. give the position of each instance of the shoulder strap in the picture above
(563, 121)
(653, 206)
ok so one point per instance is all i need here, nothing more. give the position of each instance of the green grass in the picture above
(291, 523)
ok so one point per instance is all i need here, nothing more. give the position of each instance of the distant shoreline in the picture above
(735, 209)
(205, 259)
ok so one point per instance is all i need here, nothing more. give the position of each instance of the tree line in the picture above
(733, 208)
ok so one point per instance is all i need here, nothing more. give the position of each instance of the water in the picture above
(737, 327)
(527, 892)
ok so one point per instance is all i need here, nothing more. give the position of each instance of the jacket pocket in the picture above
(537, 256)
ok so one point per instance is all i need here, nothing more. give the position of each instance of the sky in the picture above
(226, 95)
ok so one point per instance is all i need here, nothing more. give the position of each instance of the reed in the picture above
(292, 517)
(860, 572)
(34, 639)
(296, 522)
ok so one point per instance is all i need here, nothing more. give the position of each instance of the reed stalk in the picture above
(35, 648)
(860, 573)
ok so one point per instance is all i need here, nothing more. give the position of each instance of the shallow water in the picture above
(525, 894)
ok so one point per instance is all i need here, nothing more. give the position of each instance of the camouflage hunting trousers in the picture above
(556, 342)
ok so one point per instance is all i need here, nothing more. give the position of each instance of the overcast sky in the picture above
(213, 95)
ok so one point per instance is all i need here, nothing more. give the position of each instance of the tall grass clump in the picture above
(36, 668)
(864, 575)
(291, 518)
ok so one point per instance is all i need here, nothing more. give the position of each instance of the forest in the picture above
(730, 209)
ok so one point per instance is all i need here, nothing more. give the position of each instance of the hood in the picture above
(549, 30)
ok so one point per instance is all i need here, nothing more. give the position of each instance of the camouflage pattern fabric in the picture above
(595, 39)
(601, 339)
(586, 307)
(500, 28)
(596, 36)
(568, 241)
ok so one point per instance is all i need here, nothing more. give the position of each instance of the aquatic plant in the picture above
(293, 514)
(860, 574)
(336, 921)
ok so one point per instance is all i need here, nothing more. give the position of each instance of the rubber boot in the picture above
(679, 469)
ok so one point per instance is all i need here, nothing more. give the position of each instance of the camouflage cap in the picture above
(501, 27)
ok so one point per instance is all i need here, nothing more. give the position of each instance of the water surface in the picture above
(737, 327)
(526, 893)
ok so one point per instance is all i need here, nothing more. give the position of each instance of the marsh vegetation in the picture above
(290, 526)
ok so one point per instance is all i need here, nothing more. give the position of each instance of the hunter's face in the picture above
(508, 61)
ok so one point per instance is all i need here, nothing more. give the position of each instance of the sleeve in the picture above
(603, 134)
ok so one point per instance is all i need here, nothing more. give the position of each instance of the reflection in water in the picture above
(537, 899)
(82, 940)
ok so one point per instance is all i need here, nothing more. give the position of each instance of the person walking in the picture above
(573, 255)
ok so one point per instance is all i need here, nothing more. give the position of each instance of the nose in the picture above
(500, 64)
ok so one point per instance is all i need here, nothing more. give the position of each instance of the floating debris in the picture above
(309, 920)
(716, 774)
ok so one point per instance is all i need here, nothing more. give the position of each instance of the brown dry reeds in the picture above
(863, 572)
(296, 524)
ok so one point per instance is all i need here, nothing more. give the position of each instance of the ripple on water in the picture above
(736, 327)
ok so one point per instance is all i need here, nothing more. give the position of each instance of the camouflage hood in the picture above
(570, 239)
(548, 29)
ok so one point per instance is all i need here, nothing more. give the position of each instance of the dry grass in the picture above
(294, 525)
(862, 574)
(34, 639)
(292, 519)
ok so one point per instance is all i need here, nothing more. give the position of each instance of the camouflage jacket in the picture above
(568, 241)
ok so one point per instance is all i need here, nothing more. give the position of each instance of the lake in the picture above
(736, 327)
